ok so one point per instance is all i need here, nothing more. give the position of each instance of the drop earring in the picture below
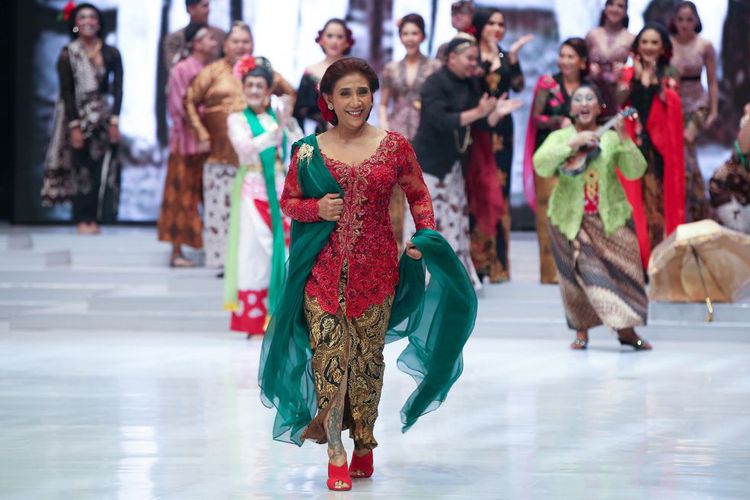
(75, 29)
(330, 106)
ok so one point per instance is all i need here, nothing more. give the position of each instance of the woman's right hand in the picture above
(486, 105)
(586, 138)
(330, 207)
(76, 138)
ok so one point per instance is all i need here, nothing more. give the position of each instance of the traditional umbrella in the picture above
(701, 261)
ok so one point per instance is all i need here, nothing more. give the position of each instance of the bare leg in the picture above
(581, 341)
(332, 426)
(177, 259)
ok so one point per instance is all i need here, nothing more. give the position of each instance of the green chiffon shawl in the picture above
(437, 319)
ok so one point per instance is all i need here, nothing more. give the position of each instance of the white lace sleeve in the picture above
(245, 145)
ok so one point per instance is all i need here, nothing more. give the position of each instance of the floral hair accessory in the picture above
(67, 11)
(327, 114)
(244, 66)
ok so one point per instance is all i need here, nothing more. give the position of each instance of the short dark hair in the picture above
(462, 6)
(414, 19)
(625, 20)
(79, 8)
(344, 67)
(462, 41)
(192, 30)
(594, 88)
(263, 69)
(673, 26)
(581, 48)
(188, 3)
(597, 92)
(666, 57)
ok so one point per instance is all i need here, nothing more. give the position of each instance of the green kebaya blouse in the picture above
(566, 203)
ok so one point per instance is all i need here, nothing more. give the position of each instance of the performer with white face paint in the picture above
(262, 136)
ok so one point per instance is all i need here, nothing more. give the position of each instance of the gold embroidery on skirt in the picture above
(347, 366)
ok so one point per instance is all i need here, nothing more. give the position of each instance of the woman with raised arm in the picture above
(81, 162)
(453, 104)
(322, 356)
(262, 135)
(699, 108)
(500, 74)
(593, 241)
(550, 111)
(651, 87)
(336, 41)
(609, 48)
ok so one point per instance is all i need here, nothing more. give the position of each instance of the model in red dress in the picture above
(350, 292)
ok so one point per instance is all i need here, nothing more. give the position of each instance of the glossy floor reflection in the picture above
(113, 410)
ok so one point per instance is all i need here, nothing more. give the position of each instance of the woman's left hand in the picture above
(517, 46)
(506, 106)
(114, 134)
(413, 251)
(710, 119)
(619, 127)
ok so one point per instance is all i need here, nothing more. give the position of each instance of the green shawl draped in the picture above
(278, 257)
(437, 320)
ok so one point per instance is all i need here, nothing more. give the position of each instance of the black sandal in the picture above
(638, 344)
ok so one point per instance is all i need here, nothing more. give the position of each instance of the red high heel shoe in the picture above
(338, 473)
(361, 466)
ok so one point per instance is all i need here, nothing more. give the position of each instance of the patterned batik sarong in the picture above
(601, 277)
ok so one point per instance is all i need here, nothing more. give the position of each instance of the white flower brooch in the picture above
(304, 152)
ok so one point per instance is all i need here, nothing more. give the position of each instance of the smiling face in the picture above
(464, 64)
(685, 21)
(352, 100)
(494, 31)
(569, 62)
(333, 40)
(87, 22)
(257, 93)
(585, 107)
(615, 11)
(237, 44)
(650, 45)
(411, 36)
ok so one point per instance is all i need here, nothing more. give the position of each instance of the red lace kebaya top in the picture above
(363, 237)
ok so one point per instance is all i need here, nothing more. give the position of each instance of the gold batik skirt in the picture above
(347, 366)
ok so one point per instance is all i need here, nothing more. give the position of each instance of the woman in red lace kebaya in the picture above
(350, 291)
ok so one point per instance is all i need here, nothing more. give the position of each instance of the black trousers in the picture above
(89, 204)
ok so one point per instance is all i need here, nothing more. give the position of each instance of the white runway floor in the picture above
(118, 380)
